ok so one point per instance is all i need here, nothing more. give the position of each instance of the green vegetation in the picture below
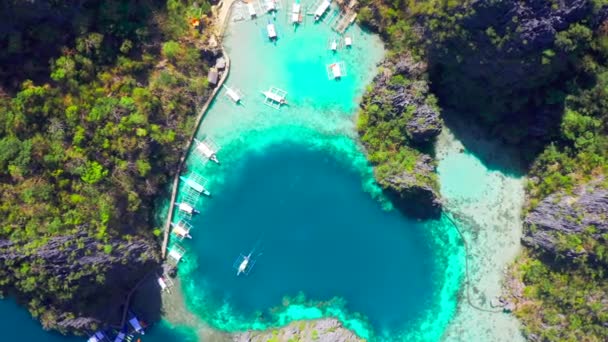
(562, 304)
(90, 132)
(567, 82)
(386, 139)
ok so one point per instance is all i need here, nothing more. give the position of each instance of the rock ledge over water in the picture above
(97, 275)
(398, 123)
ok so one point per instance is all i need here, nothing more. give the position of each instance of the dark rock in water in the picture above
(556, 226)
(415, 193)
(86, 281)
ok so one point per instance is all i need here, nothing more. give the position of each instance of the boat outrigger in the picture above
(322, 9)
(336, 70)
(233, 94)
(208, 149)
(244, 264)
(275, 97)
(197, 183)
(182, 229)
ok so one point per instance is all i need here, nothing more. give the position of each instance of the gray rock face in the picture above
(425, 122)
(550, 226)
(412, 195)
(402, 99)
(503, 62)
(98, 280)
(323, 330)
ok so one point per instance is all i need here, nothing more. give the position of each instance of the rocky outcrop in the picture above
(415, 192)
(86, 281)
(402, 88)
(323, 330)
(400, 101)
(502, 59)
(569, 226)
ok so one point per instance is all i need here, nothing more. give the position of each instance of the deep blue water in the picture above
(318, 233)
(16, 324)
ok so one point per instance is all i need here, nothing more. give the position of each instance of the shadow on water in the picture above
(493, 153)
(147, 301)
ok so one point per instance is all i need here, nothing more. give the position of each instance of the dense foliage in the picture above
(96, 102)
(383, 129)
(555, 109)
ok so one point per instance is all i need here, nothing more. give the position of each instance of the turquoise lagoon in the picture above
(295, 185)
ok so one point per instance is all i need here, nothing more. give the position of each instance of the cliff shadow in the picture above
(147, 301)
(490, 149)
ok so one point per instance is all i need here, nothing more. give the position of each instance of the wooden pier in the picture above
(182, 160)
(344, 21)
(346, 18)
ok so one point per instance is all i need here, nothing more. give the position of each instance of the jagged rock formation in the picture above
(91, 277)
(423, 122)
(559, 224)
(400, 102)
(501, 60)
(324, 330)
(412, 191)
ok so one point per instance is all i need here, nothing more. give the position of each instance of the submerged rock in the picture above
(86, 281)
(569, 225)
(323, 330)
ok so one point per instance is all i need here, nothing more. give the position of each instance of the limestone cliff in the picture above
(502, 61)
(77, 283)
(570, 226)
(398, 122)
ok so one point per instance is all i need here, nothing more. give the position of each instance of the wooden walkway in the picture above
(182, 159)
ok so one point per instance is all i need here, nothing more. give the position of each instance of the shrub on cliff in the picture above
(90, 130)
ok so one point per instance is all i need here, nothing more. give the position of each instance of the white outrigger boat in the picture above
(322, 9)
(244, 263)
(233, 94)
(208, 149)
(275, 97)
(272, 32)
(196, 182)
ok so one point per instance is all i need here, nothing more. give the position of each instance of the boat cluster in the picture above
(194, 187)
(133, 328)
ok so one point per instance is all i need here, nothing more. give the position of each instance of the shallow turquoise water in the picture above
(16, 324)
(295, 183)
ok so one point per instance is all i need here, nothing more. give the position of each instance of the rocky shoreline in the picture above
(399, 102)
(322, 330)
